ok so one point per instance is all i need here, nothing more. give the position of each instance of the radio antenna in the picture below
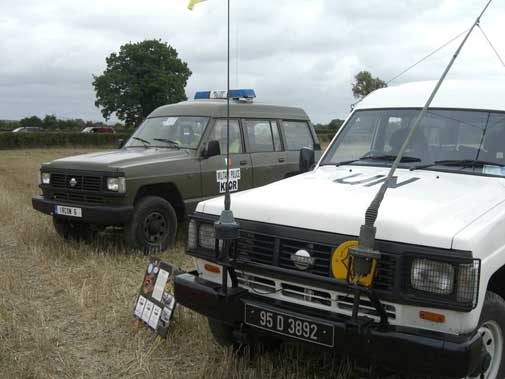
(364, 253)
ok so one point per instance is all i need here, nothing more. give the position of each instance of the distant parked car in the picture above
(27, 129)
(99, 129)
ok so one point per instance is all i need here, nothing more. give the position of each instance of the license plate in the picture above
(68, 211)
(293, 326)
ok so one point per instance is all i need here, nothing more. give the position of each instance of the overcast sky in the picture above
(294, 52)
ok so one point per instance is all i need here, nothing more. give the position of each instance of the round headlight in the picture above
(431, 276)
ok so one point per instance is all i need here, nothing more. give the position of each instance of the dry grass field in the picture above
(65, 308)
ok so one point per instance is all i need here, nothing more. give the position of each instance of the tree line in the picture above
(53, 123)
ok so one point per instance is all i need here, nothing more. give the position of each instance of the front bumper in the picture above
(99, 215)
(403, 349)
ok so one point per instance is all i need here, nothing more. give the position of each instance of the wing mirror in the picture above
(120, 143)
(213, 149)
(307, 159)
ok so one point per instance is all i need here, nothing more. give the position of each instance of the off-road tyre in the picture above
(153, 226)
(492, 329)
(73, 230)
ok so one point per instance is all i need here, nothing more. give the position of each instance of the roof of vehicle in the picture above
(459, 94)
(217, 108)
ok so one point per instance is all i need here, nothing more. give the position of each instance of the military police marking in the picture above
(232, 183)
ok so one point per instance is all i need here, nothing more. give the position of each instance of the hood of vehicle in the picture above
(422, 208)
(118, 159)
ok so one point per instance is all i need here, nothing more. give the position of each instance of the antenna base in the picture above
(227, 229)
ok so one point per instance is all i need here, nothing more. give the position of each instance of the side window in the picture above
(277, 137)
(297, 135)
(259, 135)
(218, 133)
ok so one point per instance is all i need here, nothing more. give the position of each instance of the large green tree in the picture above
(140, 78)
(31, 121)
(364, 83)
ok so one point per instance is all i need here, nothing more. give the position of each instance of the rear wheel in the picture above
(73, 230)
(153, 226)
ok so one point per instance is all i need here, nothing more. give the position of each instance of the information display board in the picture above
(155, 303)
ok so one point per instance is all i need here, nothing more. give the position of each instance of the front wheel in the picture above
(153, 226)
(492, 328)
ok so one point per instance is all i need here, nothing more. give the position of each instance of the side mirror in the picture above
(213, 149)
(120, 143)
(307, 159)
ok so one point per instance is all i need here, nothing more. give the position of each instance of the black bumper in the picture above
(404, 349)
(100, 215)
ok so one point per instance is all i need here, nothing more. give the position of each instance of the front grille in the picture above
(277, 251)
(82, 182)
(77, 198)
(319, 298)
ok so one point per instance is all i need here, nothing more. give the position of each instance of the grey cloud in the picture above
(291, 51)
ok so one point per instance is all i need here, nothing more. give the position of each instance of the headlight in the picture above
(431, 276)
(207, 236)
(45, 178)
(116, 184)
(468, 279)
(192, 235)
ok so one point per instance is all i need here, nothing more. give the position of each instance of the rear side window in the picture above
(297, 135)
(259, 135)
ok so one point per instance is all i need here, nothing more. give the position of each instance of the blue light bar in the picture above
(234, 94)
(202, 95)
(247, 93)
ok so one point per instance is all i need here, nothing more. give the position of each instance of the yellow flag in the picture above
(193, 2)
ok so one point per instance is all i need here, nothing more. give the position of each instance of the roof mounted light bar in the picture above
(234, 94)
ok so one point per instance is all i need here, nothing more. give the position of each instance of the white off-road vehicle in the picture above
(435, 301)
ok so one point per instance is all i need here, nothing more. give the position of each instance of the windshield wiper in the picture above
(173, 143)
(385, 157)
(456, 162)
(146, 142)
(169, 141)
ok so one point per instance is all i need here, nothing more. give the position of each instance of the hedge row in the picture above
(41, 140)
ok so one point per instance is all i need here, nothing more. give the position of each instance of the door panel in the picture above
(214, 168)
(269, 161)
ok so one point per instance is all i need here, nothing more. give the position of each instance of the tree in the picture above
(31, 121)
(365, 83)
(50, 121)
(140, 78)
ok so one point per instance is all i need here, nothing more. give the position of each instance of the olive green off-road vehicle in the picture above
(175, 159)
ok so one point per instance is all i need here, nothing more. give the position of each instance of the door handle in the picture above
(281, 160)
(243, 163)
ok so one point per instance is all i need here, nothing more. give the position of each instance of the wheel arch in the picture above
(496, 282)
(167, 191)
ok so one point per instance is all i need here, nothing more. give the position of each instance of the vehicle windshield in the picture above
(454, 140)
(169, 132)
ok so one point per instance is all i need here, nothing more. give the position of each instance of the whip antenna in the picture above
(364, 253)
(226, 228)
